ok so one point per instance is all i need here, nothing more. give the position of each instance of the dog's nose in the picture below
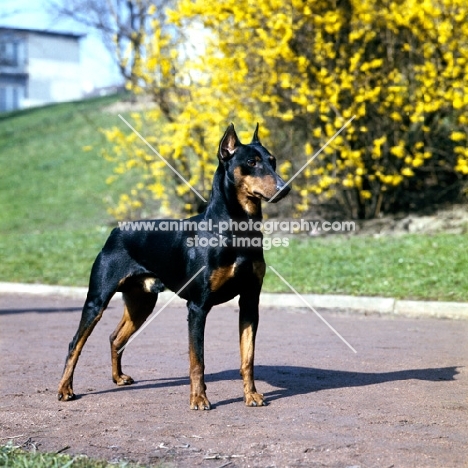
(281, 190)
(281, 186)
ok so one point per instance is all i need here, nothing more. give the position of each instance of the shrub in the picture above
(304, 69)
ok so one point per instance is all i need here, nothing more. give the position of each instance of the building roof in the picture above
(43, 32)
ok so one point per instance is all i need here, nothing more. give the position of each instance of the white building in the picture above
(38, 67)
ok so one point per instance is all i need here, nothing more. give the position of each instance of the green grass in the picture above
(47, 181)
(52, 214)
(431, 267)
(59, 256)
(53, 220)
(14, 457)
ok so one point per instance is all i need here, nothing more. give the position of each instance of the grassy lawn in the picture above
(412, 266)
(59, 256)
(14, 457)
(47, 181)
(52, 214)
(53, 220)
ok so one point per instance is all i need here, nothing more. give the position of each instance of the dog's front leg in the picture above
(196, 321)
(248, 323)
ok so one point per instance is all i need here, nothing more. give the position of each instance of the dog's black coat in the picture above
(143, 263)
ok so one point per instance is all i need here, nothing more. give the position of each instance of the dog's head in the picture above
(253, 169)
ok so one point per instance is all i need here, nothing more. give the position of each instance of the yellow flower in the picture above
(287, 116)
(458, 136)
(397, 151)
(417, 162)
(396, 116)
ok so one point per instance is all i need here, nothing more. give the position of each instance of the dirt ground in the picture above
(401, 401)
(451, 219)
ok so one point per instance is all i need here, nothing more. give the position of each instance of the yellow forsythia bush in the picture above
(303, 69)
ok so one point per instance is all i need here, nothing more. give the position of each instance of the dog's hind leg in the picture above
(138, 306)
(104, 281)
(91, 314)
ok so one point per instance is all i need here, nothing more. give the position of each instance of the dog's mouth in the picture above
(275, 198)
(261, 196)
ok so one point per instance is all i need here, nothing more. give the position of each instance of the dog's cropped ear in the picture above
(228, 144)
(255, 138)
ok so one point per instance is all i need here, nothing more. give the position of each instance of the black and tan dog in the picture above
(141, 263)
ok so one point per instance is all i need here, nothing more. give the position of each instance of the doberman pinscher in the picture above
(141, 264)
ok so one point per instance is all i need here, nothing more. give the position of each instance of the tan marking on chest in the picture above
(221, 275)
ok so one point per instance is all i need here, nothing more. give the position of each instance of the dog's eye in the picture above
(252, 162)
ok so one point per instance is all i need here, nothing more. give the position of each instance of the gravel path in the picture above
(400, 401)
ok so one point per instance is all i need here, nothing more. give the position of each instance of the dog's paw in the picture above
(123, 380)
(65, 393)
(254, 399)
(199, 402)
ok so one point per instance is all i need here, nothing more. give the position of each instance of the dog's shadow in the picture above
(292, 380)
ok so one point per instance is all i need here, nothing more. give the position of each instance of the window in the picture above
(3, 103)
(9, 54)
(11, 98)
